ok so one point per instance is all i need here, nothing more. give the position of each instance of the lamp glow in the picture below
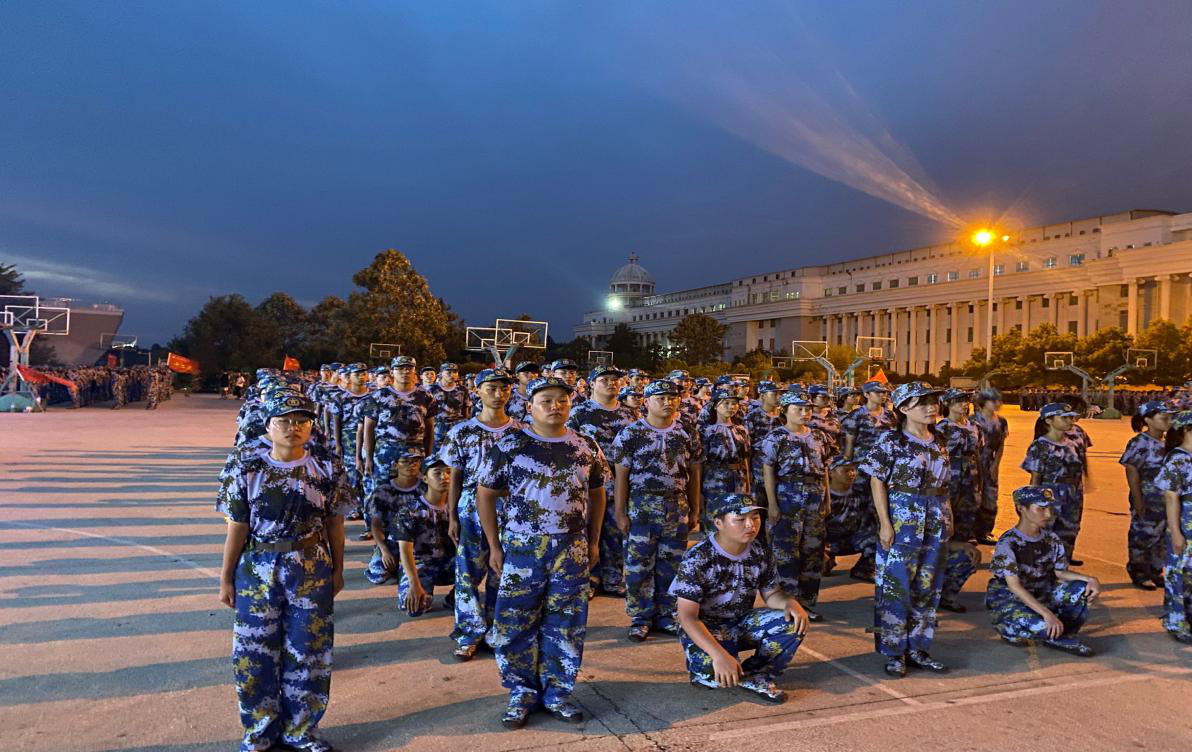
(983, 237)
(614, 303)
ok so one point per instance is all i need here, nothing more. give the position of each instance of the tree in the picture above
(1103, 351)
(11, 281)
(1172, 345)
(455, 343)
(699, 338)
(284, 322)
(226, 334)
(396, 305)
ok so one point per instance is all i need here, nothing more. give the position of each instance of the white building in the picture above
(1121, 270)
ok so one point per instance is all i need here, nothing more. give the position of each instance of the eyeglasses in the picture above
(293, 422)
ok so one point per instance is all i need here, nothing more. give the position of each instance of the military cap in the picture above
(493, 374)
(342, 370)
(723, 394)
(1055, 409)
(379, 371)
(402, 361)
(286, 401)
(431, 461)
(357, 368)
(794, 398)
(722, 380)
(1182, 419)
(628, 391)
(679, 374)
(874, 386)
(426, 369)
(265, 372)
(547, 382)
(335, 366)
(988, 393)
(733, 503)
(637, 372)
(767, 386)
(702, 382)
(409, 452)
(325, 367)
(609, 370)
(1039, 495)
(840, 461)
(1153, 406)
(906, 392)
(956, 395)
(845, 391)
(448, 366)
(564, 364)
(527, 366)
(818, 390)
(659, 386)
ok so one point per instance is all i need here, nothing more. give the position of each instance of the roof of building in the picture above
(632, 273)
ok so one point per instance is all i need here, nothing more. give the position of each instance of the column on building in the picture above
(1165, 281)
(954, 316)
(1000, 317)
(1055, 309)
(1132, 307)
(1025, 317)
(913, 323)
(934, 350)
(1082, 313)
(830, 336)
(897, 349)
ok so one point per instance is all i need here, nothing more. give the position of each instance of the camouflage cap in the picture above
(874, 386)
(679, 374)
(357, 368)
(733, 503)
(564, 364)
(1182, 419)
(767, 386)
(1057, 409)
(844, 391)
(659, 386)
(722, 380)
(403, 361)
(380, 371)
(794, 398)
(628, 391)
(818, 390)
(335, 366)
(609, 370)
(723, 394)
(911, 390)
(527, 366)
(956, 395)
(409, 452)
(547, 382)
(1153, 406)
(840, 461)
(431, 461)
(286, 401)
(426, 369)
(263, 373)
(988, 393)
(494, 374)
(448, 366)
(1040, 495)
(637, 372)
(325, 367)
(702, 382)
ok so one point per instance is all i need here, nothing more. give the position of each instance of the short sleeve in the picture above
(449, 452)
(616, 451)
(1005, 561)
(340, 497)
(878, 461)
(769, 449)
(493, 471)
(1032, 462)
(598, 472)
(232, 499)
(695, 448)
(688, 582)
(1132, 456)
(767, 579)
(1171, 476)
(1058, 557)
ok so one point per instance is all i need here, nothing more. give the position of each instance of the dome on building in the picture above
(631, 280)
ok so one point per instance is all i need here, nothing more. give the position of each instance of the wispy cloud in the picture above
(77, 280)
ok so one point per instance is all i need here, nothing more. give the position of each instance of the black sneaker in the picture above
(366, 535)
(670, 629)
(1076, 562)
(1183, 637)
(895, 667)
(986, 540)
(1070, 645)
(1142, 584)
(566, 710)
(813, 615)
(920, 659)
(638, 633)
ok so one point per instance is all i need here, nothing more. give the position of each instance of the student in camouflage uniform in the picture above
(383, 510)
(994, 430)
(795, 466)
(759, 422)
(632, 399)
(638, 379)
(848, 398)
(553, 483)
(1174, 481)
(1053, 460)
(452, 399)
(960, 563)
(568, 371)
(427, 375)
(282, 568)
(846, 531)
(343, 420)
(518, 407)
(715, 588)
(657, 463)
(464, 450)
(427, 552)
(963, 439)
(1031, 593)
(601, 418)
(823, 420)
(380, 378)
(909, 475)
(688, 405)
(861, 430)
(1142, 458)
(726, 451)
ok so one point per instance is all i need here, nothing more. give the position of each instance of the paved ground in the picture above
(111, 636)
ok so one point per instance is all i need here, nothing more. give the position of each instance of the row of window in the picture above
(677, 312)
(1075, 259)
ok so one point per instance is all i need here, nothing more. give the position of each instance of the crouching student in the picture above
(1031, 594)
(382, 509)
(427, 551)
(716, 585)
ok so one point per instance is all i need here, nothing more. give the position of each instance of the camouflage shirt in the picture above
(1176, 476)
(724, 586)
(899, 459)
(466, 445)
(866, 428)
(282, 500)
(962, 439)
(724, 444)
(345, 406)
(425, 525)
(793, 453)
(759, 423)
(1081, 439)
(1056, 463)
(386, 506)
(401, 417)
(829, 429)
(547, 480)
(453, 405)
(1145, 454)
(1033, 561)
(600, 423)
(518, 406)
(993, 431)
(658, 459)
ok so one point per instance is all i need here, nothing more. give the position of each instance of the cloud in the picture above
(67, 280)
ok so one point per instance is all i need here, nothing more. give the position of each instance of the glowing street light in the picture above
(984, 237)
(614, 303)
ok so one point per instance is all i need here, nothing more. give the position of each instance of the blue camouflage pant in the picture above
(1070, 508)
(797, 539)
(375, 572)
(987, 511)
(851, 530)
(764, 630)
(609, 570)
(431, 572)
(654, 547)
(1146, 542)
(964, 498)
(541, 615)
(1014, 620)
(281, 644)
(1177, 582)
(909, 576)
(473, 611)
(957, 570)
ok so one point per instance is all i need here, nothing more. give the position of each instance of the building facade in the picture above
(929, 307)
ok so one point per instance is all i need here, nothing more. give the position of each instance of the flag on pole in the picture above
(290, 364)
(880, 377)
(179, 364)
(37, 377)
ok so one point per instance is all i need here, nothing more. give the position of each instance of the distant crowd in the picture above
(97, 384)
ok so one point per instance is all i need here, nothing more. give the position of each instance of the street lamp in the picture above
(983, 238)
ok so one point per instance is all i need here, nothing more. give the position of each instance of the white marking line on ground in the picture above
(1116, 679)
(121, 541)
(860, 677)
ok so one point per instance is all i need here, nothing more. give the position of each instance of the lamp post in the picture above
(982, 238)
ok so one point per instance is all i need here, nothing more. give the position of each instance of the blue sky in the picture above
(156, 153)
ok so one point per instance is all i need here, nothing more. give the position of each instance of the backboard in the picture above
(25, 313)
(783, 361)
(1142, 359)
(112, 341)
(383, 351)
(1058, 360)
(875, 348)
(808, 349)
(480, 338)
(531, 335)
(599, 358)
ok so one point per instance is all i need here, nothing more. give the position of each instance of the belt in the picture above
(800, 479)
(284, 546)
(917, 491)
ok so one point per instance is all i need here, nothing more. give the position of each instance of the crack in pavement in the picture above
(617, 709)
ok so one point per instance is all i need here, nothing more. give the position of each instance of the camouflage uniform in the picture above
(344, 406)
(1146, 542)
(908, 578)
(425, 526)
(454, 405)
(964, 445)
(958, 568)
(993, 435)
(865, 428)
(1060, 469)
(464, 450)
(602, 425)
(845, 531)
(400, 419)
(1034, 561)
(830, 432)
(542, 600)
(283, 633)
(518, 406)
(759, 423)
(726, 464)
(797, 535)
(658, 461)
(1176, 476)
(725, 587)
(386, 508)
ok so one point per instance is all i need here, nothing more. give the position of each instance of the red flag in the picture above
(37, 377)
(290, 364)
(880, 377)
(112, 360)
(179, 364)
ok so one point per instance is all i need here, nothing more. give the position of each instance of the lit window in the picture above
(1049, 262)
(933, 278)
(1075, 259)
(974, 273)
(953, 276)
(999, 270)
(1022, 266)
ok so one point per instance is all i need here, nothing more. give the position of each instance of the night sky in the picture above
(155, 153)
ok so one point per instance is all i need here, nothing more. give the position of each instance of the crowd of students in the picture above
(98, 384)
(528, 495)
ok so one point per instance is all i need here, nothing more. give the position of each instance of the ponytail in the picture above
(1175, 437)
(1041, 427)
(1137, 423)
